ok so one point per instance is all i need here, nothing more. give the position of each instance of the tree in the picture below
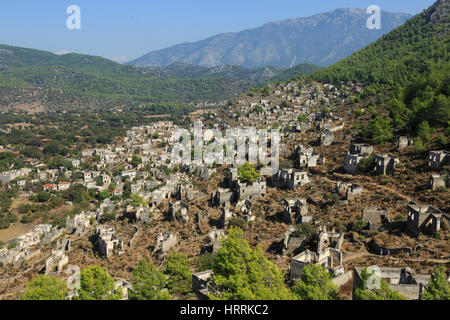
(46, 288)
(241, 273)
(438, 287)
(135, 161)
(358, 225)
(97, 284)
(418, 146)
(379, 130)
(424, 131)
(366, 165)
(148, 283)
(137, 200)
(306, 230)
(384, 292)
(316, 284)
(248, 173)
(180, 276)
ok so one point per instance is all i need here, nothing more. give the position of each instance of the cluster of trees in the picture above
(149, 283)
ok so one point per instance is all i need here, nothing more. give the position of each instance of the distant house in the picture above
(50, 187)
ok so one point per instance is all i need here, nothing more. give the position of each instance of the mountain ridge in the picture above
(277, 43)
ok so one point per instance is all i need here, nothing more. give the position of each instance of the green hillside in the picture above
(418, 47)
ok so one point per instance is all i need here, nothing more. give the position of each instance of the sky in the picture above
(124, 30)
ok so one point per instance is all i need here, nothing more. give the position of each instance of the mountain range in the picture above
(322, 40)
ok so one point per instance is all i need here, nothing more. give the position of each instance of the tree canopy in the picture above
(241, 273)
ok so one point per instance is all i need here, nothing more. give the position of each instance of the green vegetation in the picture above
(438, 287)
(305, 230)
(97, 284)
(418, 47)
(379, 130)
(241, 273)
(316, 284)
(366, 165)
(46, 288)
(148, 283)
(382, 293)
(178, 272)
(248, 173)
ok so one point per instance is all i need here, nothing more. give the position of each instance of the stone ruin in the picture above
(375, 218)
(385, 164)
(79, 224)
(165, 242)
(296, 210)
(292, 243)
(403, 142)
(108, 242)
(222, 197)
(436, 182)
(244, 207)
(403, 280)
(423, 218)
(349, 190)
(291, 178)
(358, 151)
(55, 263)
(305, 157)
(437, 159)
(328, 254)
(178, 211)
(184, 192)
(225, 217)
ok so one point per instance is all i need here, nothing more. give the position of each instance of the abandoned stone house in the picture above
(142, 214)
(178, 211)
(222, 197)
(329, 239)
(437, 159)
(403, 142)
(291, 178)
(108, 242)
(330, 258)
(248, 191)
(328, 254)
(375, 218)
(361, 149)
(79, 224)
(56, 262)
(424, 219)
(296, 210)
(351, 162)
(349, 190)
(385, 164)
(291, 242)
(436, 182)
(403, 280)
(184, 192)
(165, 242)
(305, 157)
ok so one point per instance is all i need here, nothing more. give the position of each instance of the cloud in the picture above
(119, 59)
(63, 52)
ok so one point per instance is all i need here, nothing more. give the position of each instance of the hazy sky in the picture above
(124, 30)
